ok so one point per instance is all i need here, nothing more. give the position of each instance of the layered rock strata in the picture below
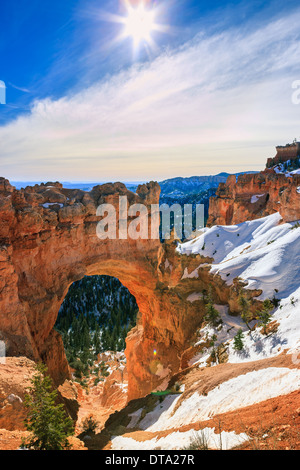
(48, 240)
(252, 196)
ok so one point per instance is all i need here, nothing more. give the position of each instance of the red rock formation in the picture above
(48, 240)
(15, 379)
(254, 196)
(284, 154)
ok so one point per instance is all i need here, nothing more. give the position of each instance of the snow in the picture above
(257, 346)
(239, 392)
(264, 253)
(194, 297)
(168, 265)
(266, 256)
(122, 386)
(192, 275)
(256, 198)
(50, 204)
(280, 169)
(135, 417)
(181, 440)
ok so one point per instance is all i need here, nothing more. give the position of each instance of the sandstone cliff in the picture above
(253, 196)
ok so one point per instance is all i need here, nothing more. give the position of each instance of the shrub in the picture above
(246, 314)
(212, 315)
(198, 442)
(89, 424)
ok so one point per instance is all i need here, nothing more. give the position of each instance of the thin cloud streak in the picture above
(22, 89)
(187, 112)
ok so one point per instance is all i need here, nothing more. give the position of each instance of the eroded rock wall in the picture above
(48, 240)
(253, 196)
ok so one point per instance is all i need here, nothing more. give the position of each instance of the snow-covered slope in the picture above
(266, 254)
(257, 346)
(288, 168)
(266, 372)
(263, 252)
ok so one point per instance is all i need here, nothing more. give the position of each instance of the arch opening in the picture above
(95, 317)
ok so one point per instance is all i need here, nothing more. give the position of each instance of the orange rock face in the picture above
(254, 196)
(48, 240)
(101, 398)
(15, 377)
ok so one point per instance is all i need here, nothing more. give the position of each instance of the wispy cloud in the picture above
(22, 89)
(219, 102)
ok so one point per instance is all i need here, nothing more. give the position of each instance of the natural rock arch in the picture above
(48, 240)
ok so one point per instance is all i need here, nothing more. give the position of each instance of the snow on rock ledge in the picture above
(264, 252)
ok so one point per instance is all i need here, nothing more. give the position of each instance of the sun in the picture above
(139, 23)
(140, 20)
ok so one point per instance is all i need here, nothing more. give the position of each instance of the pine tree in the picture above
(212, 315)
(96, 339)
(47, 421)
(264, 315)
(105, 340)
(246, 314)
(238, 344)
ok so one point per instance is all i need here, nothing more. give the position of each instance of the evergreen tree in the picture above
(48, 423)
(105, 340)
(96, 339)
(264, 315)
(246, 314)
(212, 315)
(238, 344)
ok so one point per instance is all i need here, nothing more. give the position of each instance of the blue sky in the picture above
(214, 95)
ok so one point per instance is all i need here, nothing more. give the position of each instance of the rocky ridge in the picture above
(251, 196)
(48, 240)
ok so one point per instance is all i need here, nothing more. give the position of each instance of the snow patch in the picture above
(264, 253)
(50, 204)
(180, 440)
(256, 198)
(239, 392)
(194, 297)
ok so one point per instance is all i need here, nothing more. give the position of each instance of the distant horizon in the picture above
(40, 181)
(239, 169)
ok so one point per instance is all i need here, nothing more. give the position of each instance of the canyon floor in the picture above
(175, 421)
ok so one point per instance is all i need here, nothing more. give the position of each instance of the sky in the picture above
(208, 90)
